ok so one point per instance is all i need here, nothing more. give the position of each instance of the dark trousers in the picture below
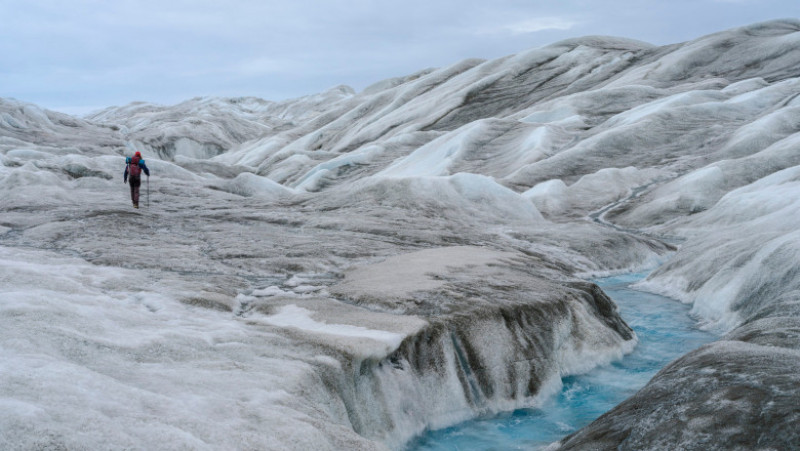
(136, 182)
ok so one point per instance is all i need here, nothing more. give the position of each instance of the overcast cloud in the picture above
(83, 54)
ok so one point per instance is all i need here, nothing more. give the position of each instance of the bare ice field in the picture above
(350, 269)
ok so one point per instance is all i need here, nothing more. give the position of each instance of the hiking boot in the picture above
(135, 205)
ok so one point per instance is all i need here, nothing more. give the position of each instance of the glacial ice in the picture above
(729, 285)
(346, 270)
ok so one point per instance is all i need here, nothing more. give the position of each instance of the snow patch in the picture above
(292, 316)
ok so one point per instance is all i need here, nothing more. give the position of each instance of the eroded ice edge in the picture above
(665, 331)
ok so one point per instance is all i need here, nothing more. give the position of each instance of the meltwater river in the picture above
(665, 332)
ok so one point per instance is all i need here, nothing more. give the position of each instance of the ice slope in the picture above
(739, 270)
(314, 258)
(22, 122)
(736, 279)
(738, 267)
(559, 112)
(204, 127)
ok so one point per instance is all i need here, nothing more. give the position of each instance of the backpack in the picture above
(133, 167)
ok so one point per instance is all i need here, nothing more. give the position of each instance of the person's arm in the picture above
(144, 167)
(125, 175)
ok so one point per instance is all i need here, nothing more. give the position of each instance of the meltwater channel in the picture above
(665, 330)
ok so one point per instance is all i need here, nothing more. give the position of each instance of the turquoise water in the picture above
(665, 332)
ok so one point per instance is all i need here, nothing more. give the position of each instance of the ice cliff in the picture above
(344, 270)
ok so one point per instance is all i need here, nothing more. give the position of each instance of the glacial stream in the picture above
(665, 331)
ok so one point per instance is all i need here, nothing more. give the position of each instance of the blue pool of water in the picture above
(665, 332)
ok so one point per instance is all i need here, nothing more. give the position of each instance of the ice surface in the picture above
(344, 270)
(731, 285)
(92, 360)
(435, 158)
(247, 184)
(590, 192)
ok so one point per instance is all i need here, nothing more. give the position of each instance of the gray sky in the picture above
(79, 55)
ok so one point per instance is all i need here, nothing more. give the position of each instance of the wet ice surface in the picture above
(665, 331)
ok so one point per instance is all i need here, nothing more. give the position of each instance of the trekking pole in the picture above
(148, 191)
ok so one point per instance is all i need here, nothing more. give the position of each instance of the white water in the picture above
(665, 331)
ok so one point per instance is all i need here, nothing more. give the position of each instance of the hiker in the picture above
(133, 170)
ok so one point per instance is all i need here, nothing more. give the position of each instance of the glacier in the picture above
(349, 269)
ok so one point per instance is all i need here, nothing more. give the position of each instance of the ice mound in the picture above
(591, 192)
(247, 184)
(458, 196)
